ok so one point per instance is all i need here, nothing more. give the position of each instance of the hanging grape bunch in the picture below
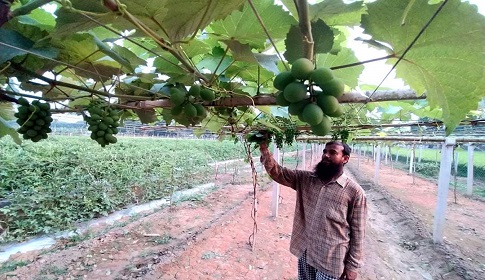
(103, 123)
(34, 119)
(185, 110)
(298, 90)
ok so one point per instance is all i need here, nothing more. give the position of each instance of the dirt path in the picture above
(207, 237)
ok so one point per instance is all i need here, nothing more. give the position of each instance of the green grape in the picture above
(34, 119)
(103, 123)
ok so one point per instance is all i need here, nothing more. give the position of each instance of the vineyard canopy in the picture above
(133, 53)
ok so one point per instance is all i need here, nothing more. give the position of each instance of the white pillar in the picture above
(411, 160)
(457, 160)
(386, 154)
(443, 185)
(276, 186)
(420, 153)
(377, 165)
(469, 178)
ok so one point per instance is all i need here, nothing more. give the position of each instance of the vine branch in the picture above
(305, 28)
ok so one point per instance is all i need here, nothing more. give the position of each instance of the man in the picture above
(330, 215)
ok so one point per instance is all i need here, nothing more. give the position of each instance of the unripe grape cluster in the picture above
(34, 119)
(103, 123)
(311, 94)
(185, 108)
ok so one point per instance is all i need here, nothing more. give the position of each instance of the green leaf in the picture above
(172, 19)
(336, 12)
(215, 64)
(16, 44)
(249, 72)
(442, 62)
(244, 27)
(349, 75)
(7, 110)
(241, 52)
(323, 38)
(167, 64)
(40, 18)
(113, 54)
(7, 129)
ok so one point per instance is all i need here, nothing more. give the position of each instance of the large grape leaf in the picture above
(336, 12)
(323, 40)
(349, 75)
(244, 27)
(448, 60)
(16, 44)
(173, 19)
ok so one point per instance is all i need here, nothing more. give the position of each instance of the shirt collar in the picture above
(341, 181)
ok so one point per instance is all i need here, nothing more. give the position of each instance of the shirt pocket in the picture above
(337, 214)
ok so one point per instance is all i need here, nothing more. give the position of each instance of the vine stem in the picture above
(305, 28)
(29, 7)
(254, 212)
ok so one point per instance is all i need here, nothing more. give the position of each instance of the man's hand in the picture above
(348, 275)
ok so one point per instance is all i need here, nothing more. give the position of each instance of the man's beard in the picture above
(326, 170)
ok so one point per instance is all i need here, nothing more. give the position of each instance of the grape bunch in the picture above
(185, 109)
(34, 119)
(311, 94)
(103, 123)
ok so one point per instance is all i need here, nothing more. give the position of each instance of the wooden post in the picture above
(443, 186)
(377, 165)
(469, 178)
(276, 186)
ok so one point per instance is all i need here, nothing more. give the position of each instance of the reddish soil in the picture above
(208, 236)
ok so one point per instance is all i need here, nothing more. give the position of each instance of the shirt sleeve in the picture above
(281, 175)
(357, 221)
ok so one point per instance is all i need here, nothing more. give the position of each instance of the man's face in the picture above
(333, 154)
(332, 163)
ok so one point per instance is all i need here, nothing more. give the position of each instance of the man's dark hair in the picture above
(347, 150)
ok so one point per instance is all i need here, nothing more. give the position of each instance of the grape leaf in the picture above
(442, 63)
(7, 129)
(336, 12)
(244, 27)
(172, 19)
(349, 75)
(16, 44)
(323, 37)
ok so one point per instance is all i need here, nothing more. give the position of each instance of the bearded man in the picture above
(330, 215)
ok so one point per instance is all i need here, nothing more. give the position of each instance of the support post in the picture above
(443, 186)
(276, 186)
(469, 178)
(377, 165)
(411, 159)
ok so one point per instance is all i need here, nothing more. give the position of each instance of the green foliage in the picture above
(438, 63)
(234, 48)
(68, 180)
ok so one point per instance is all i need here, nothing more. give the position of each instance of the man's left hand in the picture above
(348, 275)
